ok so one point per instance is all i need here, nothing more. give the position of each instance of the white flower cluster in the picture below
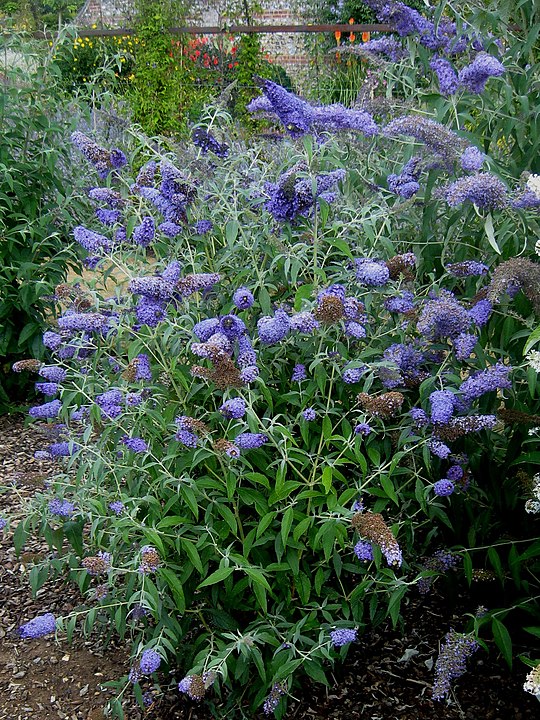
(533, 357)
(533, 504)
(533, 184)
(532, 682)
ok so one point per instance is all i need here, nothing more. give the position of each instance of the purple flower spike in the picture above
(343, 636)
(443, 488)
(364, 550)
(38, 627)
(372, 273)
(243, 298)
(233, 409)
(150, 662)
(474, 76)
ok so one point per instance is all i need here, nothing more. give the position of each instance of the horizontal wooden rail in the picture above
(230, 30)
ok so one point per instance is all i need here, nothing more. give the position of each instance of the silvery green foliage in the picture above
(274, 425)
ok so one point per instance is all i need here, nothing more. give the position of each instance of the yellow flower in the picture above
(94, 26)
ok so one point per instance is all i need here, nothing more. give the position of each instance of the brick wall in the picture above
(286, 49)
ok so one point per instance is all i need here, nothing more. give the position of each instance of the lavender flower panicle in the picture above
(451, 662)
(472, 159)
(272, 701)
(443, 317)
(492, 378)
(343, 636)
(38, 627)
(144, 233)
(475, 75)
(467, 268)
(48, 410)
(436, 137)
(208, 143)
(484, 190)
(372, 273)
(250, 441)
(61, 508)
(149, 662)
(150, 560)
(233, 409)
(442, 406)
(406, 183)
(447, 76)
(443, 488)
(136, 444)
(273, 329)
(91, 241)
(243, 298)
(364, 550)
(309, 414)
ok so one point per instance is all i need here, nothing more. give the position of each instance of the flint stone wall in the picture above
(286, 49)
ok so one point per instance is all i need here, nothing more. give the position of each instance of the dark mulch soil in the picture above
(387, 675)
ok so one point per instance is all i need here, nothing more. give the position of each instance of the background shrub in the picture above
(305, 396)
(36, 209)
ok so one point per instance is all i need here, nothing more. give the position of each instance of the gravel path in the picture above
(46, 678)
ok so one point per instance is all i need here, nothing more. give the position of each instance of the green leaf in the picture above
(193, 554)
(315, 671)
(467, 567)
(37, 578)
(495, 561)
(73, 530)
(176, 587)
(533, 338)
(19, 538)
(394, 604)
(286, 524)
(227, 514)
(327, 478)
(264, 523)
(260, 595)
(257, 577)
(326, 427)
(388, 487)
(490, 233)
(217, 576)
(303, 292)
(502, 639)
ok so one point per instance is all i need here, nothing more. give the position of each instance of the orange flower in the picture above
(351, 21)
(365, 36)
(352, 37)
(337, 35)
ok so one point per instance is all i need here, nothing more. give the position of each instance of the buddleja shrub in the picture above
(290, 415)
(36, 206)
